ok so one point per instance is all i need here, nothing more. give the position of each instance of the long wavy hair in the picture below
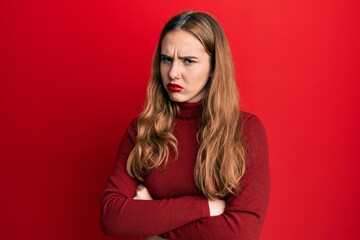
(220, 162)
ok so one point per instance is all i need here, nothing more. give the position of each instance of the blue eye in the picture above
(166, 59)
(188, 61)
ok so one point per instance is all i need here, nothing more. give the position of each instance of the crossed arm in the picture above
(125, 212)
(216, 206)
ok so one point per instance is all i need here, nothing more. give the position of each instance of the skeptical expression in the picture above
(185, 66)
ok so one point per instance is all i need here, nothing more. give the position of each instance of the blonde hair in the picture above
(220, 159)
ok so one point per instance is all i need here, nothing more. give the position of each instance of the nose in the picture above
(175, 71)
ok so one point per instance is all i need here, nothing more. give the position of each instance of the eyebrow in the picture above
(189, 57)
(184, 57)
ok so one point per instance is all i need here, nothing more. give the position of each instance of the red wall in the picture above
(73, 74)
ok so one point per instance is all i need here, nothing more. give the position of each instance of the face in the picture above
(185, 66)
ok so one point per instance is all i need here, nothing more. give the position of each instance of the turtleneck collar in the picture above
(190, 110)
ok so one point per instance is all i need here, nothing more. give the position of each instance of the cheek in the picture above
(162, 74)
(203, 79)
(202, 70)
(202, 76)
(163, 71)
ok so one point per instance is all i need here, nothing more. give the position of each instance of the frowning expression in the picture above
(185, 66)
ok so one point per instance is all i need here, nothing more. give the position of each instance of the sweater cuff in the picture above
(205, 207)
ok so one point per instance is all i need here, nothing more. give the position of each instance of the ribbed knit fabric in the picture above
(179, 210)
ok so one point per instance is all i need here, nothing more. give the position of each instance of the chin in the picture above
(177, 99)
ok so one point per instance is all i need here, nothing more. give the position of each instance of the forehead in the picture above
(182, 42)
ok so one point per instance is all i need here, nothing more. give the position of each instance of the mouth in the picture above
(174, 87)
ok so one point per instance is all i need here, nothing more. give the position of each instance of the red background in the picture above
(73, 74)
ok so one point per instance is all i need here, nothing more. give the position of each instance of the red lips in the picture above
(174, 87)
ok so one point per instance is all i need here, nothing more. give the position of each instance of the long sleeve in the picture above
(125, 217)
(244, 214)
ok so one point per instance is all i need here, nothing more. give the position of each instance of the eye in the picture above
(166, 59)
(188, 61)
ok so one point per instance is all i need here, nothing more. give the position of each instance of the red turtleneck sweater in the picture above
(179, 210)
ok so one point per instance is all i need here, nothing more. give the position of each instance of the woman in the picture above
(191, 166)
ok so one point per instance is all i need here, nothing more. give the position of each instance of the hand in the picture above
(142, 193)
(216, 207)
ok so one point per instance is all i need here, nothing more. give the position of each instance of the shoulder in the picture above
(132, 129)
(251, 122)
(253, 133)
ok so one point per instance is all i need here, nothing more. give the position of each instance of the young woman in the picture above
(191, 166)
